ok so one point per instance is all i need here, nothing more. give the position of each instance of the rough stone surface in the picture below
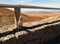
(9, 39)
(42, 33)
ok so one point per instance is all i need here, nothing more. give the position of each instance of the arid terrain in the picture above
(7, 16)
(39, 28)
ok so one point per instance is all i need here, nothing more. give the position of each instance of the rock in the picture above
(9, 39)
(7, 28)
(40, 32)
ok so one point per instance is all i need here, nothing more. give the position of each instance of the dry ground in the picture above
(7, 16)
(39, 28)
(45, 31)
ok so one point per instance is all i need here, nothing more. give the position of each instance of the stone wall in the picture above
(39, 34)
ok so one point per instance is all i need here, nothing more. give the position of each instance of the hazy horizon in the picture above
(46, 3)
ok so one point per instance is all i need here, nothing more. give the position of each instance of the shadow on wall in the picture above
(46, 32)
(25, 29)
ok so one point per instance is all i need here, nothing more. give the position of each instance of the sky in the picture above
(47, 3)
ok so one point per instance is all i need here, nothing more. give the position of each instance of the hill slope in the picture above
(7, 17)
(46, 31)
